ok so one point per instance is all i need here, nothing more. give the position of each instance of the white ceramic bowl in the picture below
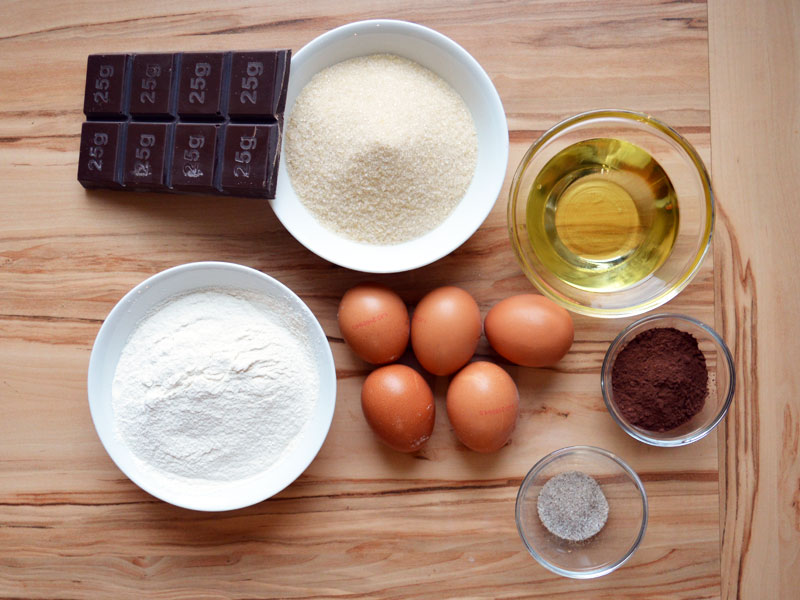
(453, 64)
(112, 337)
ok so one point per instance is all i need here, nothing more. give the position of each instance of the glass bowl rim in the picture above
(708, 231)
(549, 459)
(689, 438)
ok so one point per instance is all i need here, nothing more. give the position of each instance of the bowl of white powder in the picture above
(395, 146)
(212, 386)
(581, 512)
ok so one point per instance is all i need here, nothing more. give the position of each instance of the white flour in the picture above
(211, 386)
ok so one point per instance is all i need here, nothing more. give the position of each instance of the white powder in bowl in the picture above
(380, 149)
(213, 386)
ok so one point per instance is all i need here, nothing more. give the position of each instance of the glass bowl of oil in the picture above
(611, 213)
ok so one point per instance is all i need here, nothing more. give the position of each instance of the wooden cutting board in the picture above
(363, 521)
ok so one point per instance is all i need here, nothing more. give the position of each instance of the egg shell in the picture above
(374, 322)
(445, 330)
(483, 406)
(529, 330)
(398, 405)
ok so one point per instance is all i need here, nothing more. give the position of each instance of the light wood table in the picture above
(364, 521)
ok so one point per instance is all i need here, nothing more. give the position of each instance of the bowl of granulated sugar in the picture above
(581, 512)
(395, 146)
(211, 386)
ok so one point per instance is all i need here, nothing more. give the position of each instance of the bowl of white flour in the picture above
(395, 146)
(211, 386)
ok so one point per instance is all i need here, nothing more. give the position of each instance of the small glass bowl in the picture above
(622, 533)
(721, 380)
(692, 185)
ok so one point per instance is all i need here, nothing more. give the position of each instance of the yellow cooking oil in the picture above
(602, 215)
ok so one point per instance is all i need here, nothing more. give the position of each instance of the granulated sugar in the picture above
(572, 506)
(380, 149)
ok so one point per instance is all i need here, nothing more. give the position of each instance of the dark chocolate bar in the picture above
(193, 122)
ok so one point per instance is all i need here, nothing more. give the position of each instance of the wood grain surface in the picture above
(364, 521)
(755, 93)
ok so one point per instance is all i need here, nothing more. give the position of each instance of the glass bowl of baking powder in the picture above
(211, 386)
(581, 512)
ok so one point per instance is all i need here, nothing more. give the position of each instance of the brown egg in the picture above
(483, 404)
(374, 323)
(445, 330)
(529, 330)
(398, 405)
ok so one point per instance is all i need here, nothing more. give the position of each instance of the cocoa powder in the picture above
(660, 379)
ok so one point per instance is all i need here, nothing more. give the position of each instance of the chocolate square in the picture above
(249, 159)
(153, 85)
(99, 160)
(146, 156)
(200, 94)
(106, 86)
(194, 157)
(252, 87)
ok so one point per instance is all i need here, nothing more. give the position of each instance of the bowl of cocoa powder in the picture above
(668, 380)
